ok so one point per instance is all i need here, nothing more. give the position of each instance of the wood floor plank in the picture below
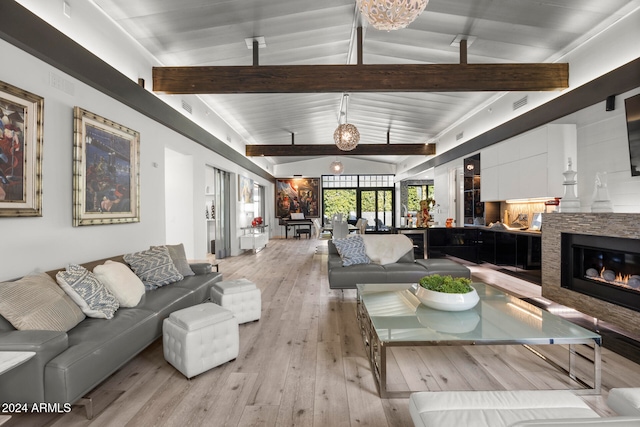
(501, 371)
(161, 403)
(331, 406)
(365, 406)
(296, 407)
(473, 372)
(397, 413)
(350, 330)
(259, 416)
(444, 372)
(228, 407)
(395, 379)
(416, 373)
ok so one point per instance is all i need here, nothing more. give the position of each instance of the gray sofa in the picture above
(406, 270)
(67, 365)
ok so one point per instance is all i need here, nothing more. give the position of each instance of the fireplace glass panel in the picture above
(602, 267)
(613, 268)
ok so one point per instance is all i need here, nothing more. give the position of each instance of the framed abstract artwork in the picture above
(21, 125)
(297, 195)
(106, 171)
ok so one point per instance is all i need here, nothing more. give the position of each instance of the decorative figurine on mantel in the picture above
(570, 201)
(601, 202)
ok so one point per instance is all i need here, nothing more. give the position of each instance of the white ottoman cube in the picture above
(198, 338)
(240, 296)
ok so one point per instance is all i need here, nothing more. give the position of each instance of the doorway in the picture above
(376, 206)
(218, 194)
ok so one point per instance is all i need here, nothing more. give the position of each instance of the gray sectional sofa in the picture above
(406, 270)
(67, 365)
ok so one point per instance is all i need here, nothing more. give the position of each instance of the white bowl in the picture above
(447, 302)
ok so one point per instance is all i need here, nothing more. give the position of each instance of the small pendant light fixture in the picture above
(336, 167)
(346, 135)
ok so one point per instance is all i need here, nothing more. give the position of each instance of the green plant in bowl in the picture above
(447, 293)
(446, 284)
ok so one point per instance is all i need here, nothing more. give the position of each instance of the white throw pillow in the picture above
(121, 282)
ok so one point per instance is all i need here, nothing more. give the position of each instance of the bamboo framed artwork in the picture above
(106, 171)
(20, 152)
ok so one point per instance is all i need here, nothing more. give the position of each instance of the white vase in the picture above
(447, 302)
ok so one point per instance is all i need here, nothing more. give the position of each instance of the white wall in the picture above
(178, 190)
(51, 241)
(603, 146)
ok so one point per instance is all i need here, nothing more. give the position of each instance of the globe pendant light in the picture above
(346, 135)
(336, 167)
(390, 15)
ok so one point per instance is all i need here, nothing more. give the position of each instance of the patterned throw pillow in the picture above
(351, 250)
(85, 289)
(154, 267)
(35, 302)
(179, 258)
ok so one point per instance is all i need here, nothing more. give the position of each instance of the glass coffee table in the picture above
(391, 315)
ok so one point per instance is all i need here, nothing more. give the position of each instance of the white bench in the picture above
(549, 408)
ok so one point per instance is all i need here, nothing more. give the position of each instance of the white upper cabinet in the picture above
(528, 165)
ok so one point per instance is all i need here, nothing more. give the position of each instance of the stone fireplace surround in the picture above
(600, 224)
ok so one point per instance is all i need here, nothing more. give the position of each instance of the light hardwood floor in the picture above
(303, 362)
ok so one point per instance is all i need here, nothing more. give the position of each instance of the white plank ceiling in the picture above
(213, 32)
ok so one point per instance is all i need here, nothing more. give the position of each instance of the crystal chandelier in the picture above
(391, 14)
(336, 167)
(346, 135)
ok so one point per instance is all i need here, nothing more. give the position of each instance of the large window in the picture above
(360, 196)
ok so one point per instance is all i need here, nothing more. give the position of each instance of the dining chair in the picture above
(340, 229)
(317, 227)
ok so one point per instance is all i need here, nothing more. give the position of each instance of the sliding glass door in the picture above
(360, 196)
(376, 206)
(340, 201)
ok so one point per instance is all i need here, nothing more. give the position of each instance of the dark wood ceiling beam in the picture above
(332, 150)
(360, 78)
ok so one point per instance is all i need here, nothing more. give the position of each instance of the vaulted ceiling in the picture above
(312, 32)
